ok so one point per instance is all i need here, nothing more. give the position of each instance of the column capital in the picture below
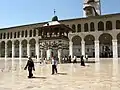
(114, 40)
(96, 41)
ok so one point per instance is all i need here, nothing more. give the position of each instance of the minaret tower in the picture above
(91, 8)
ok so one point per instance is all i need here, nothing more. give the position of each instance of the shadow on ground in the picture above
(62, 73)
(39, 77)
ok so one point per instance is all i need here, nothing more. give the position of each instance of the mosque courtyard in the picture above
(102, 75)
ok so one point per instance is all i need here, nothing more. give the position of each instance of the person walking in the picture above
(54, 65)
(30, 66)
(82, 61)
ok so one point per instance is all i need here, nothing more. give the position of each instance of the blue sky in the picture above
(22, 12)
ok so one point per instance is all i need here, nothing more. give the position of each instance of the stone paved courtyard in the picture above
(103, 75)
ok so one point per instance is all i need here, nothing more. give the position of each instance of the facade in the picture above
(96, 35)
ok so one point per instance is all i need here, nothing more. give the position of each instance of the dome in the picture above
(55, 18)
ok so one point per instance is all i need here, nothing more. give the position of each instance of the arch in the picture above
(89, 45)
(106, 45)
(24, 48)
(9, 48)
(92, 27)
(108, 25)
(3, 49)
(76, 46)
(74, 28)
(100, 26)
(16, 43)
(86, 27)
(117, 24)
(79, 28)
(118, 42)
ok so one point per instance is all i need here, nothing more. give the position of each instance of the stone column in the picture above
(83, 47)
(97, 49)
(71, 49)
(37, 49)
(5, 50)
(48, 54)
(20, 49)
(28, 48)
(114, 45)
(59, 55)
(41, 54)
(13, 51)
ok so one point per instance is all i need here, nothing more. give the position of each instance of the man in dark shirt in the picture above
(30, 65)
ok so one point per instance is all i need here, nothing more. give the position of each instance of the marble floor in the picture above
(102, 75)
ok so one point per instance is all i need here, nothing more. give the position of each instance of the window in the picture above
(11, 35)
(108, 25)
(34, 33)
(15, 35)
(30, 33)
(74, 28)
(79, 28)
(92, 28)
(18, 35)
(26, 33)
(7, 35)
(118, 24)
(22, 33)
(100, 26)
(4, 35)
(85, 27)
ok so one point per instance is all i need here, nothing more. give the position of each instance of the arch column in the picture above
(114, 45)
(28, 48)
(71, 49)
(13, 49)
(48, 54)
(97, 49)
(83, 47)
(37, 49)
(59, 55)
(20, 49)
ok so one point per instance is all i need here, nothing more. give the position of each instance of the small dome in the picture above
(89, 1)
(55, 18)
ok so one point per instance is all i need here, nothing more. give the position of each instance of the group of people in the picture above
(30, 64)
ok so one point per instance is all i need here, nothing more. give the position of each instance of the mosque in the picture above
(96, 35)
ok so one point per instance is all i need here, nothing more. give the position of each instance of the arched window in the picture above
(0, 35)
(22, 33)
(118, 24)
(11, 35)
(74, 28)
(92, 27)
(100, 26)
(86, 27)
(108, 25)
(26, 33)
(18, 35)
(79, 28)
(8, 35)
(34, 32)
(4, 35)
(30, 33)
(15, 35)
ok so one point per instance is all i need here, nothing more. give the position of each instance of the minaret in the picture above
(91, 8)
